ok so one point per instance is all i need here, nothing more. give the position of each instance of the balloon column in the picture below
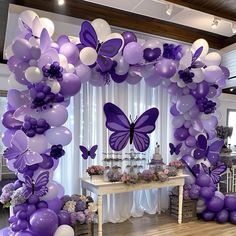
(46, 72)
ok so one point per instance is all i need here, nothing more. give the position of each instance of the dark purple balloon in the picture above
(206, 193)
(12, 219)
(165, 68)
(42, 204)
(22, 215)
(9, 122)
(64, 218)
(33, 199)
(230, 202)
(174, 111)
(13, 62)
(20, 207)
(208, 215)
(31, 209)
(181, 133)
(203, 180)
(150, 54)
(129, 37)
(216, 204)
(23, 224)
(232, 217)
(47, 162)
(222, 216)
(118, 78)
(201, 90)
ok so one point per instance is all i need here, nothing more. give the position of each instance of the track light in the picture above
(61, 2)
(215, 23)
(169, 9)
(232, 89)
(233, 27)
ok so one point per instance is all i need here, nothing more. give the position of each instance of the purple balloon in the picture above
(21, 49)
(70, 51)
(212, 92)
(97, 79)
(129, 37)
(222, 216)
(118, 78)
(150, 54)
(25, 233)
(216, 204)
(13, 63)
(230, 202)
(203, 180)
(232, 217)
(133, 79)
(42, 204)
(9, 122)
(190, 141)
(44, 222)
(225, 71)
(64, 218)
(7, 136)
(133, 53)
(208, 215)
(153, 80)
(84, 73)
(31, 209)
(70, 85)
(185, 103)
(17, 99)
(165, 68)
(194, 112)
(35, 53)
(55, 205)
(181, 134)
(178, 121)
(20, 73)
(47, 162)
(173, 88)
(62, 40)
(201, 90)
(6, 232)
(189, 160)
(206, 193)
(174, 111)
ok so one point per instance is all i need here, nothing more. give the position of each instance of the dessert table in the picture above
(101, 188)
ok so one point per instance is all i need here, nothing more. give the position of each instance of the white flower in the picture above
(70, 206)
(92, 207)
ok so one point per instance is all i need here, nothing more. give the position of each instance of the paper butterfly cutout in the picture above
(20, 151)
(37, 187)
(124, 131)
(105, 50)
(214, 172)
(196, 55)
(88, 153)
(210, 152)
(175, 149)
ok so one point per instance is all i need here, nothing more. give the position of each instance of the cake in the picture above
(156, 158)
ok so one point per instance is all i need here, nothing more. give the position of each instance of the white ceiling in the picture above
(181, 15)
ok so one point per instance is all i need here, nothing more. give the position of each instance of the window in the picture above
(231, 122)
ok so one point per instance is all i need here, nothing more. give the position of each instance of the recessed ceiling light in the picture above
(60, 2)
(169, 9)
(232, 89)
(215, 23)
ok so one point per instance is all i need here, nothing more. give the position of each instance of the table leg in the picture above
(100, 220)
(180, 204)
(84, 191)
(159, 201)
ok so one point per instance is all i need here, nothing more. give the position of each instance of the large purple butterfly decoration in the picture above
(124, 131)
(105, 50)
(210, 152)
(175, 149)
(214, 173)
(37, 187)
(88, 153)
(20, 152)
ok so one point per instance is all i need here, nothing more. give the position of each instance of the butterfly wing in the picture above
(28, 190)
(213, 154)
(144, 125)
(110, 47)
(178, 148)
(197, 54)
(84, 150)
(32, 158)
(104, 63)
(93, 151)
(88, 36)
(195, 170)
(26, 27)
(205, 169)
(201, 149)
(42, 180)
(117, 122)
(20, 163)
(172, 148)
(216, 173)
(45, 40)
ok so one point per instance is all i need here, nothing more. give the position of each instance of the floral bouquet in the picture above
(147, 175)
(163, 175)
(131, 178)
(81, 208)
(114, 174)
(177, 164)
(95, 170)
(12, 194)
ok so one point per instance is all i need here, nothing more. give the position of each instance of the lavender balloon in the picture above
(166, 68)
(133, 53)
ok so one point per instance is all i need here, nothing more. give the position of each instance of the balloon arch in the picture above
(46, 73)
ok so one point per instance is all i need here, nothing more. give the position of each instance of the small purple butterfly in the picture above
(37, 187)
(105, 50)
(196, 55)
(175, 149)
(88, 153)
(20, 151)
(124, 131)
(210, 152)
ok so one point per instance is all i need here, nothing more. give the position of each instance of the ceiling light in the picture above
(215, 23)
(233, 27)
(60, 2)
(232, 89)
(169, 9)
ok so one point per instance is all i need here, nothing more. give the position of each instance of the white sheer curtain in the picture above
(87, 123)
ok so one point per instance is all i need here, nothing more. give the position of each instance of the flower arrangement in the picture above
(224, 132)
(81, 208)
(163, 175)
(147, 175)
(131, 178)
(11, 195)
(114, 174)
(177, 164)
(95, 170)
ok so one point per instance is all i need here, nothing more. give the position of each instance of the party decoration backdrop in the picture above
(46, 72)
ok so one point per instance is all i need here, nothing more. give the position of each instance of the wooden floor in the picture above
(153, 225)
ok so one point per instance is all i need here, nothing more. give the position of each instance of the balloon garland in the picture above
(46, 73)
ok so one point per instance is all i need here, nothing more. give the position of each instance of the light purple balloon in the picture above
(9, 121)
(13, 62)
(166, 68)
(133, 79)
(21, 49)
(7, 136)
(178, 121)
(190, 141)
(17, 99)
(38, 143)
(165, 83)
(187, 124)
(192, 131)
(62, 40)
(133, 53)
(59, 135)
(153, 80)
(70, 85)
(173, 88)
(194, 112)
(210, 124)
(70, 51)
(189, 160)
(20, 73)
(35, 53)
(54, 205)
(185, 103)
(6, 232)
(84, 73)
(174, 111)
(212, 92)
(97, 79)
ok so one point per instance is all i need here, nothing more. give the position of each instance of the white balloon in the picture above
(63, 62)
(13, 84)
(213, 58)
(198, 75)
(153, 43)
(122, 66)
(88, 56)
(27, 17)
(48, 25)
(102, 29)
(201, 43)
(8, 52)
(64, 230)
(71, 68)
(74, 40)
(116, 36)
(186, 60)
(34, 42)
(181, 83)
(33, 74)
(54, 85)
(38, 143)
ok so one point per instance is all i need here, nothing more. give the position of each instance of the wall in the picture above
(4, 74)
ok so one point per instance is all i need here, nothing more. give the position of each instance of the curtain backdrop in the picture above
(87, 123)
